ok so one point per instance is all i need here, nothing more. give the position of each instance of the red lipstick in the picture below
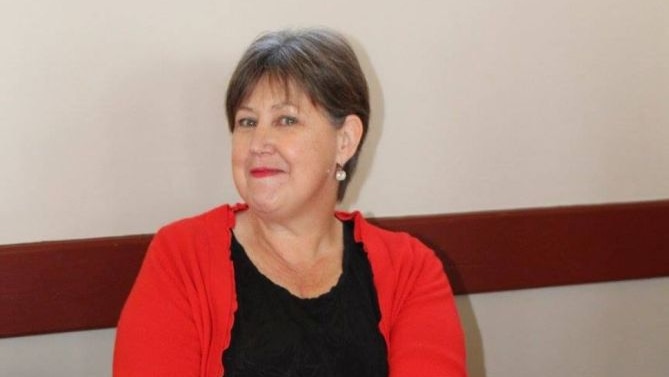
(263, 172)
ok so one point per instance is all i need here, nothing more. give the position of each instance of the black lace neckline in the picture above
(276, 333)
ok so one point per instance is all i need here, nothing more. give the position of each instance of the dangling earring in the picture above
(340, 174)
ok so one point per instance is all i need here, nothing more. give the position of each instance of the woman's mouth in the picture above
(264, 172)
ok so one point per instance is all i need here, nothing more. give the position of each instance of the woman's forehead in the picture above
(282, 90)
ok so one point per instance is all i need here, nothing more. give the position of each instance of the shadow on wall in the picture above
(365, 161)
(474, 342)
(473, 339)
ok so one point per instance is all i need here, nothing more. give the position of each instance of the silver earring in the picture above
(340, 174)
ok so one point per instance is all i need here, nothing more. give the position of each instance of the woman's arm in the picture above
(426, 337)
(157, 333)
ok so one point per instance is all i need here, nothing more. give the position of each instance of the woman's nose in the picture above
(263, 138)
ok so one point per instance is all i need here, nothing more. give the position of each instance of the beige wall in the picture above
(111, 123)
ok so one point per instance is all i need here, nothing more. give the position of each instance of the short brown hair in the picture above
(319, 61)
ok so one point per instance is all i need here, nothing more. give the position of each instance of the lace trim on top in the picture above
(333, 335)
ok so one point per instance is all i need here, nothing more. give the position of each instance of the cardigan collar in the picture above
(356, 216)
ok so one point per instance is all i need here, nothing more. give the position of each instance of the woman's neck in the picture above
(299, 244)
(306, 259)
(296, 242)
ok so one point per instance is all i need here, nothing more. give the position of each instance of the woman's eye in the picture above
(246, 122)
(288, 121)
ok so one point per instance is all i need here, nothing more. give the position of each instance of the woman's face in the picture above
(285, 151)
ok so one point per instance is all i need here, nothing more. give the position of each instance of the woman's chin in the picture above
(264, 204)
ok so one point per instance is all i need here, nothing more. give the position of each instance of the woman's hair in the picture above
(318, 61)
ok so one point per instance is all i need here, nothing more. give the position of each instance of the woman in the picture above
(283, 285)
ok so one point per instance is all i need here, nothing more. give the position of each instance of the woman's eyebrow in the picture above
(277, 106)
(284, 105)
(246, 108)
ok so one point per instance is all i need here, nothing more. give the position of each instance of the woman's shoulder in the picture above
(216, 219)
(195, 236)
(402, 266)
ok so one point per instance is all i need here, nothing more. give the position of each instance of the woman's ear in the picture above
(349, 136)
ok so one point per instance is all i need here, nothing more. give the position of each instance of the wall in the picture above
(111, 123)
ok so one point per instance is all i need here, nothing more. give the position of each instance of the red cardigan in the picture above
(178, 317)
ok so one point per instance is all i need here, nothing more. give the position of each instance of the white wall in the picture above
(73, 354)
(612, 329)
(111, 123)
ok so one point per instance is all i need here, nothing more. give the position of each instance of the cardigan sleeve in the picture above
(426, 337)
(157, 334)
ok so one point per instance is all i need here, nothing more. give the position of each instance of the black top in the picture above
(278, 334)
